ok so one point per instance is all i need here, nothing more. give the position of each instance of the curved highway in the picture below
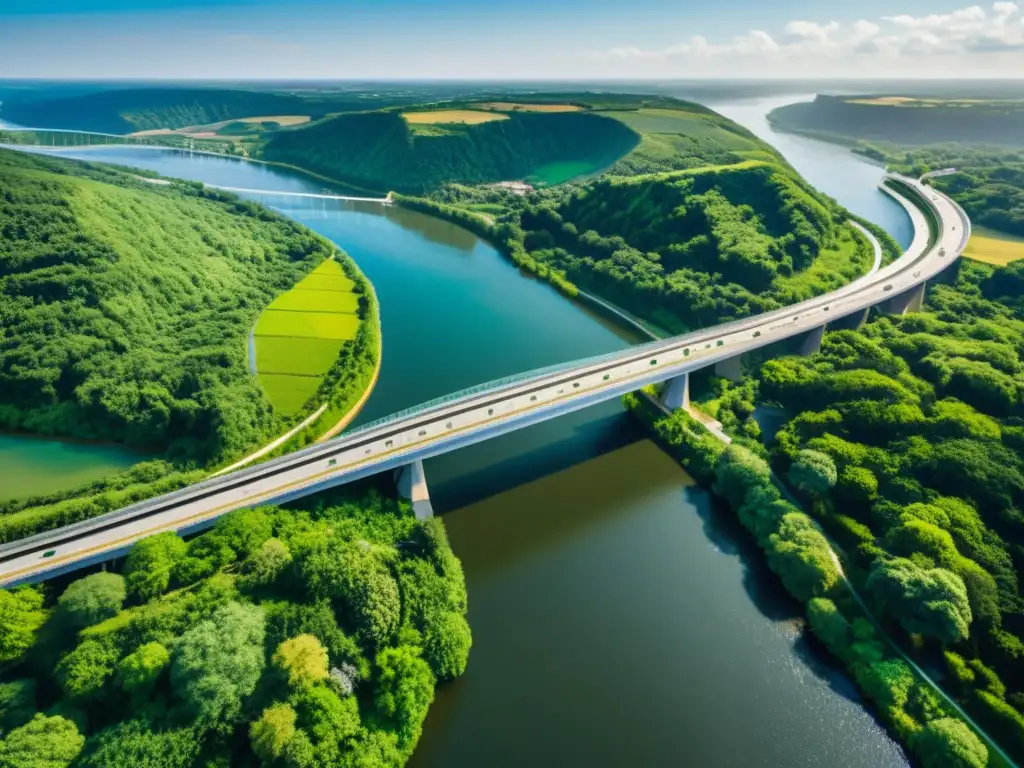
(495, 408)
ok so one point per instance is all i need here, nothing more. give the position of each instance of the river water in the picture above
(619, 616)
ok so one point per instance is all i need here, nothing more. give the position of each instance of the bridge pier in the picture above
(411, 482)
(730, 368)
(908, 301)
(811, 343)
(677, 392)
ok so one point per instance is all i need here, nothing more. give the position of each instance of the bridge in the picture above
(400, 442)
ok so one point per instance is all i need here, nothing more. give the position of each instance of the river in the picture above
(619, 615)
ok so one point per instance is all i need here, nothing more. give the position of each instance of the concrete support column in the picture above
(411, 482)
(677, 392)
(811, 343)
(908, 301)
(730, 368)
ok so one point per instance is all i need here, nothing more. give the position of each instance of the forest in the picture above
(902, 442)
(989, 183)
(126, 306)
(681, 249)
(309, 636)
(126, 110)
(379, 151)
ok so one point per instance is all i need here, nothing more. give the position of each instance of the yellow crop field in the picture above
(313, 300)
(317, 325)
(448, 116)
(511, 106)
(994, 247)
(300, 335)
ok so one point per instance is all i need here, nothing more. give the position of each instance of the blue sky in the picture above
(506, 38)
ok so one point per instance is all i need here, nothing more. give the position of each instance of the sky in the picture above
(508, 39)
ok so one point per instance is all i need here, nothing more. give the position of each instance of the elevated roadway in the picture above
(402, 441)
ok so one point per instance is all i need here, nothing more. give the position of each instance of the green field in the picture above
(300, 335)
(558, 173)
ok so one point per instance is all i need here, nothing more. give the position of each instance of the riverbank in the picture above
(803, 559)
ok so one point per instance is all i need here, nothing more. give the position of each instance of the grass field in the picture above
(992, 247)
(449, 116)
(299, 336)
(510, 106)
(557, 173)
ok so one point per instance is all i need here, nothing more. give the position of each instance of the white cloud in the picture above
(969, 40)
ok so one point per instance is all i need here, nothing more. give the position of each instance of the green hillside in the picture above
(126, 110)
(126, 305)
(380, 151)
(907, 120)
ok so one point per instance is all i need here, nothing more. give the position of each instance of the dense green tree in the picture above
(150, 564)
(928, 601)
(948, 743)
(446, 645)
(43, 742)
(271, 733)
(800, 555)
(91, 600)
(21, 615)
(302, 661)
(217, 663)
(360, 584)
(84, 672)
(137, 673)
(403, 690)
(266, 564)
(17, 703)
(813, 472)
(140, 744)
(830, 626)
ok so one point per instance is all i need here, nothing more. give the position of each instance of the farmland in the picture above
(511, 106)
(994, 247)
(452, 116)
(300, 335)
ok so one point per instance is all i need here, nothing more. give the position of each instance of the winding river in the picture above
(619, 616)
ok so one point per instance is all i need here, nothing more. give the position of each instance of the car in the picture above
(50, 553)
(888, 287)
(917, 274)
(756, 334)
(332, 462)
(942, 251)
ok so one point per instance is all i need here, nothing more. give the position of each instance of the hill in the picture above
(125, 110)
(126, 305)
(383, 151)
(906, 120)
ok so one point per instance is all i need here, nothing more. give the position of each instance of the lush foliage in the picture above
(922, 418)
(379, 150)
(305, 636)
(126, 306)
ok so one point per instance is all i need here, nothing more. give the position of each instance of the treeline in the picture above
(379, 151)
(798, 552)
(126, 307)
(995, 122)
(989, 183)
(302, 637)
(125, 110)
(688, 250)
(905, 441)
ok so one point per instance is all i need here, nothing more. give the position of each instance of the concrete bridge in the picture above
(400, 443)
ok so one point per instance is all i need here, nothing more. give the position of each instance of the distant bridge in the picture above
(400, 443)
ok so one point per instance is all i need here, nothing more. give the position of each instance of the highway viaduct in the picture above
(401, 442)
